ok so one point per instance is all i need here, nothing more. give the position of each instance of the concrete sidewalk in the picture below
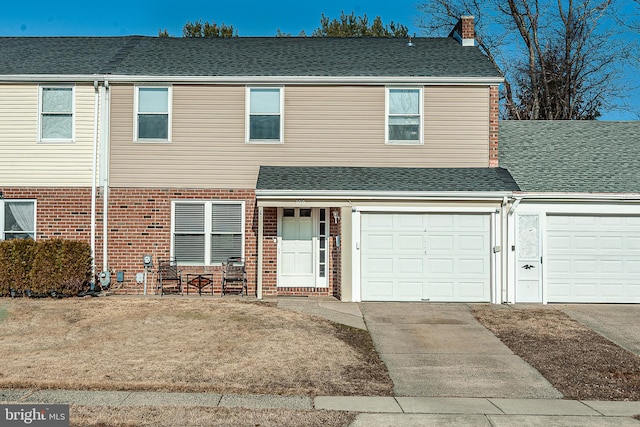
(372, 411)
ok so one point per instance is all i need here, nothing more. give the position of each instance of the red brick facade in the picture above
(494, 109)
(467, 30)
(61, 213)
(139, 223)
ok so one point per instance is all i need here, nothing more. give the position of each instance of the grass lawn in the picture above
(183, 344)
(579, 362)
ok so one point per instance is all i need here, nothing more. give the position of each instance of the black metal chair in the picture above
(169, 277)
(234, 276)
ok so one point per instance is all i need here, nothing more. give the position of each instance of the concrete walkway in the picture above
(373, 411)
(440, 350)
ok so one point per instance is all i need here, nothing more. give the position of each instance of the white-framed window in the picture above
(207, 232)
(56, 119)
(264, 118)
(404, 118)
(153, 113)
(17, 219)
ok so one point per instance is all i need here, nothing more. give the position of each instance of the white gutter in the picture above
(94, 171)
(360, 80)
(387, 195)
(631, 197)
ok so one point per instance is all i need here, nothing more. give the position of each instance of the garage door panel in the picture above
(410, 266)
(380, 289)
(410, 289)
(440, 243)
(411, 243)
(593, 258)
(472, 267)
(441, 266)
(473, 243)
(441, 290)
(436, 257)
(379, 266)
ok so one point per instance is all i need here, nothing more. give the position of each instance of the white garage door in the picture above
(593, 259)
(434, 257)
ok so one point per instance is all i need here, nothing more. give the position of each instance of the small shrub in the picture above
(16, 261)
(47, 267)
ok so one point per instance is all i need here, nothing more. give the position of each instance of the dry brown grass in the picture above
(103, 416)
(182, 344)
(580, 363)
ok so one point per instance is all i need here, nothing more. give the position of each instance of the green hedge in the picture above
(44, 268)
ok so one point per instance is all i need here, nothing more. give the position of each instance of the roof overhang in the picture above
(274, 197)
(576, 197)
(300, 80)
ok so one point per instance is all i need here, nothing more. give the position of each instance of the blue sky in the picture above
(249, 18)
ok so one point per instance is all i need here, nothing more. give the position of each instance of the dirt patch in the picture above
(580, 363)
(182, 344)
(104, 416)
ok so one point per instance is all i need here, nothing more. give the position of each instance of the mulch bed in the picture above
(577, 361)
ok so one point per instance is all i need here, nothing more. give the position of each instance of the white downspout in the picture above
(105, 171)
(94, 172)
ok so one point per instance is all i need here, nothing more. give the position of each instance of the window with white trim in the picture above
(207, 232)
(18, 219)
(153, 113)
(56, 105)
(264, 114)
(404, 116)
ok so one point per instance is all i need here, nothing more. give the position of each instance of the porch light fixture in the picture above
(336, 216)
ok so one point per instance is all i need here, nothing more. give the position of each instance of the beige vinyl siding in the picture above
(323, 126)
(26, 162)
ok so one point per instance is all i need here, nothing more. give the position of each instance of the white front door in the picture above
(302, 250)
(528, 266)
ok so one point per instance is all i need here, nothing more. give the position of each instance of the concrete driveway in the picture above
(619, 323)
(440, 350)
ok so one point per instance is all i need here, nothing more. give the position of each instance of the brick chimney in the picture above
(464, 31)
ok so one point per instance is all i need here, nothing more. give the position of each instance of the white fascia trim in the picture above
(427, 209)
(275, 80)
(573, 197)
(387, 195)
(48, 78)
(250, 80)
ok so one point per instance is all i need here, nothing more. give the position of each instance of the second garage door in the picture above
(417, 257)
(593, 258)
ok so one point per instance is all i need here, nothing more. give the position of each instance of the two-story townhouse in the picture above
(364, 168)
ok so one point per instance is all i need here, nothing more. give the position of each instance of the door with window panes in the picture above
(303, 247)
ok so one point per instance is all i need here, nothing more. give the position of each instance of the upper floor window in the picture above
(18, 219)
(404, 116)
(264, 121)
(153, 113)
(56, 113)
(209, 232)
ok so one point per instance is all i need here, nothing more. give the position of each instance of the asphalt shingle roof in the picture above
(384, 179)
(243, 56)
(572, 156)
